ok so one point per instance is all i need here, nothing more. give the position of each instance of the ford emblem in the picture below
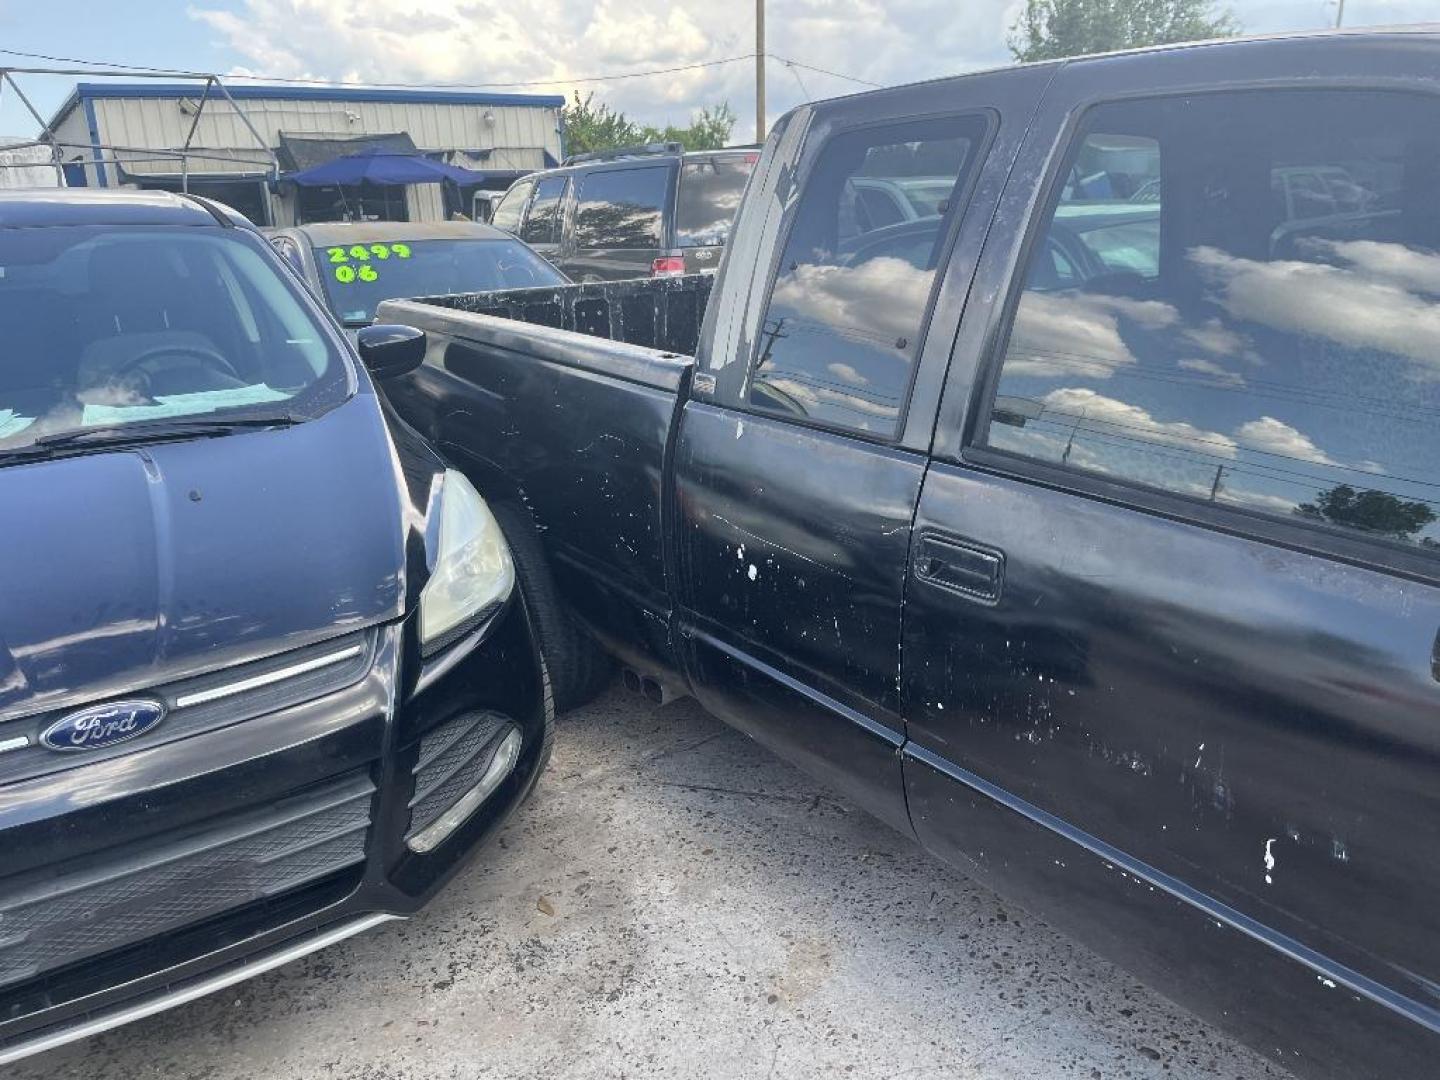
(102, 725)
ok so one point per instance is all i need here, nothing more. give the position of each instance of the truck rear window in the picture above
(848, 308)
(622, 208)
(709, 198)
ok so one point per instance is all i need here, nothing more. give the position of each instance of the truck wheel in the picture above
(578, 668)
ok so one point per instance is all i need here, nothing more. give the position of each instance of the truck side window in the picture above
(848, 308)
(622, 208)
(542, 224)
(1235, 298)
(512, 207)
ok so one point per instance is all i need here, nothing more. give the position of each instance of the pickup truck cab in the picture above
(264, 679)
(1085, 530)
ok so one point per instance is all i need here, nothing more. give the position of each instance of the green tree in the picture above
(1052, 29)
(709, 129)
(590, 126)
(1371, 511)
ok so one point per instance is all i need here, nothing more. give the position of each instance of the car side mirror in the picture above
(390, 350)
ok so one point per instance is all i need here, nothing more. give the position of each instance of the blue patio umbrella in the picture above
(379, 167)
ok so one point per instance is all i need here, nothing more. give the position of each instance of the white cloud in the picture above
(1221, 374)
(1078, 334)
(882, 299)
(1216, 338)
(889, 43)
(1351, 306)
(1098, 412)
(814, 400)
(488, 41)
(1256, 500)
(1394, 264)
(1270, 436)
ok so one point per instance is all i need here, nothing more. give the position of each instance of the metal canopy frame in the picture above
(119, 155)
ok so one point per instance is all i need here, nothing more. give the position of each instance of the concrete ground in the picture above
(675, 902)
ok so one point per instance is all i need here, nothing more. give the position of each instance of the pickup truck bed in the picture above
(575, 425)
(1080, 521)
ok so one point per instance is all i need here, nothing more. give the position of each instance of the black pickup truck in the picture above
(1081, 524)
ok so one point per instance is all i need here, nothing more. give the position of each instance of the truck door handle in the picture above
(1435, 657)
(961, 567)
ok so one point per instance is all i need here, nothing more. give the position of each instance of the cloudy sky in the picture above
(561, 41)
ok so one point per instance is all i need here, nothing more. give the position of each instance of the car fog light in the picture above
(501, 765)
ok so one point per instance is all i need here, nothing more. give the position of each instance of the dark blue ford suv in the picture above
(265, 676)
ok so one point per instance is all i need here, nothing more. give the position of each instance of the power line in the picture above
(141, 69)
(804, 91)
(611, 77)
(826, 71)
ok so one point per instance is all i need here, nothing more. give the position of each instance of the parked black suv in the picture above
(647, 211)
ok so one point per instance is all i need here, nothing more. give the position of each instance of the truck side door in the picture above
(1175, 582)
(801, 451)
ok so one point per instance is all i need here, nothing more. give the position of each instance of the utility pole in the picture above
(760, 70)
(1340, 14)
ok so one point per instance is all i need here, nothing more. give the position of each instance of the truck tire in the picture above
(547, 738)
(578, 668)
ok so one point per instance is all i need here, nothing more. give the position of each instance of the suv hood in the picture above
(122, 569)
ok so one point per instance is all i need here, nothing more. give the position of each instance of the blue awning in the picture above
(378, 167)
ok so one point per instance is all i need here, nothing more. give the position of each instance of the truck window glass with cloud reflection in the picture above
(848, 307)
(1236, 298)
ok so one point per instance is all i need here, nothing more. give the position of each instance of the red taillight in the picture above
(751, 159)
(668, 266)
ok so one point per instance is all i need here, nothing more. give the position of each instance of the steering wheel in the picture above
(515, 270)
(141, 367)
(904, 242)
(1075, 251)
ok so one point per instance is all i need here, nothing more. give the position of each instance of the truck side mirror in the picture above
(389, 350)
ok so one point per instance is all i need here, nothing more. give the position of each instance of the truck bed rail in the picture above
(658, 313)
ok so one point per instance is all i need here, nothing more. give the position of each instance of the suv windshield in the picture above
(709, 197)
(359, 276)
(108, 326)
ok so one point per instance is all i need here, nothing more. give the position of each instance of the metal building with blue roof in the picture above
(246, 143)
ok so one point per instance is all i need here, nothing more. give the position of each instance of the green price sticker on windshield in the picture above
(365, 252)
(345, 273)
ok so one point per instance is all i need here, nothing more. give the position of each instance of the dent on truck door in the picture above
(1175, 609)
(795, 490)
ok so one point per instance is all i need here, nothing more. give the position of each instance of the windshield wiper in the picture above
(181, 427)
(140, 433)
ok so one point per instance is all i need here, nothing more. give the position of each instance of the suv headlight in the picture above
(473, 572)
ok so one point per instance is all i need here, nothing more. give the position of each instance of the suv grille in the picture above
(64, 914)
(203, 703)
